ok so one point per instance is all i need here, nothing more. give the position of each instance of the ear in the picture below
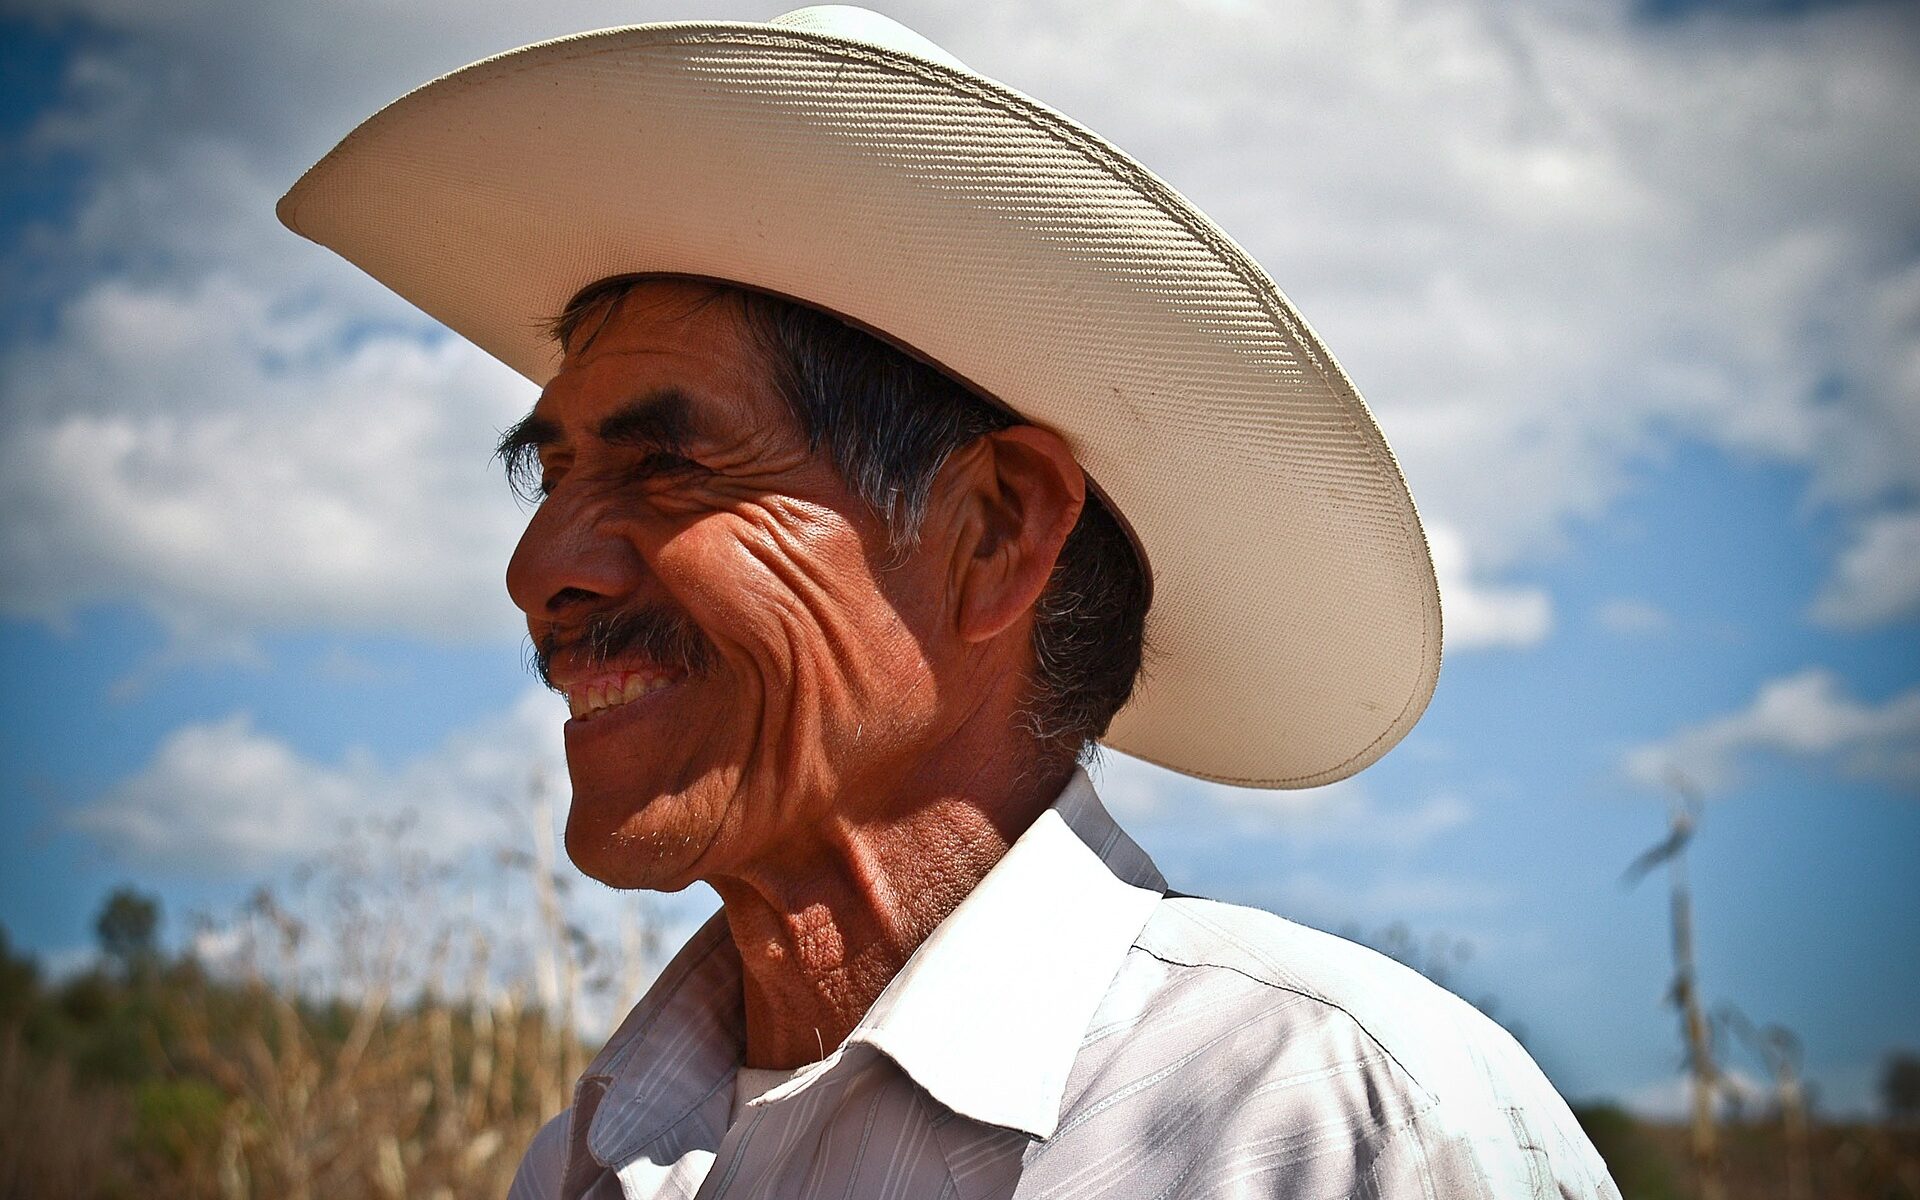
(1016, 494)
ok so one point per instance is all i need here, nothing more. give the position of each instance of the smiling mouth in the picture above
(588, 698)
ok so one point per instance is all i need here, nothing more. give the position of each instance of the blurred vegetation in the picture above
(166, 1081)
(365, 1035)
(1900, 1087)
(1849, 1159)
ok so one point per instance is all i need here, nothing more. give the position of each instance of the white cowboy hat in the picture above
(836, 157)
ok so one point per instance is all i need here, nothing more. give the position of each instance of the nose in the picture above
(570, 557)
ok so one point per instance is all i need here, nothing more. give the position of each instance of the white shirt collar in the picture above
(987, 1015)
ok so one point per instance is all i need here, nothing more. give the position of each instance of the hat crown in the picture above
(855, 24)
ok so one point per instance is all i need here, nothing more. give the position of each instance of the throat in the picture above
(817, 948)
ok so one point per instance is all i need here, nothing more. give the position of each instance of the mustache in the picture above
(658, 635)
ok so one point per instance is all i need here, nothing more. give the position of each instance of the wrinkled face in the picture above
(708, 593)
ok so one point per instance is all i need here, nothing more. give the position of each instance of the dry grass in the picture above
(363, 1034)
(53, 1132)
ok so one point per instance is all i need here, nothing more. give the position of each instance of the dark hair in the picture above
(889, 422)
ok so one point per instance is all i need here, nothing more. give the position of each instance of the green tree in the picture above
(1632, 1154)
(19, 982)
(1900, 1085)
(128, 927)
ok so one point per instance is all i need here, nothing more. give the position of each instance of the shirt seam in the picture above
(1419, 1152)
(1427, 1098)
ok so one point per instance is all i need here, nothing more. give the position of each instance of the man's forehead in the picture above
(582, 375)
(616, 316)
(699, 356)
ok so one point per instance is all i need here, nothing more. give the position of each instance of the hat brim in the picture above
(1295, 631)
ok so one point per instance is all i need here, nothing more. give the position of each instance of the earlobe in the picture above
(1023, 493)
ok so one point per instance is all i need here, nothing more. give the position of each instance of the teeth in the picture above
(610, 693)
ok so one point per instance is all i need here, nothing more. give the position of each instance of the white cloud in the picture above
(1479, 614)
(1544, 239)
(1345, 813)
(242, 468)
(227, 799)
(1397, 896)
(1806, 715)
(1878, 578)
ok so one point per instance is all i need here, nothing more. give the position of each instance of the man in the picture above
(846, 336)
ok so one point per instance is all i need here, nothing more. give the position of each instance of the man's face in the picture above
(707, 592)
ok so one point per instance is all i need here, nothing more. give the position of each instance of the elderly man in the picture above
(886, 416)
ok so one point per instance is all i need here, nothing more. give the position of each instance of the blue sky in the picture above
(1635, 292)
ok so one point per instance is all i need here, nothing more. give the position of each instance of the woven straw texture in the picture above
(1295, 629)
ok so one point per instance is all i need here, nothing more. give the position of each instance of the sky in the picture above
(1633, 290)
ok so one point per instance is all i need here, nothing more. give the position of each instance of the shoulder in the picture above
(1291, 1052)
(1439, 1045)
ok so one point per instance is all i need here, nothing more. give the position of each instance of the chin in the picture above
(649, 860)
(636, 839)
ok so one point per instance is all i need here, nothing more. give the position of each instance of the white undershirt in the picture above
(754, 1082)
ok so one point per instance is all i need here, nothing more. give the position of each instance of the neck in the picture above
(821, 933)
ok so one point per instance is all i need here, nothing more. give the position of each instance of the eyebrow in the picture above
(662, 419)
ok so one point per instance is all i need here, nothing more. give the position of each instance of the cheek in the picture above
(789, 591)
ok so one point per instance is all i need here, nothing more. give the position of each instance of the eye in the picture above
(660, 462)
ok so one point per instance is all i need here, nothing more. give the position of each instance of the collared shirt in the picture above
(1073, 1030)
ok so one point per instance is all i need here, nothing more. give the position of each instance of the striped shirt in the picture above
(1072, 1030)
